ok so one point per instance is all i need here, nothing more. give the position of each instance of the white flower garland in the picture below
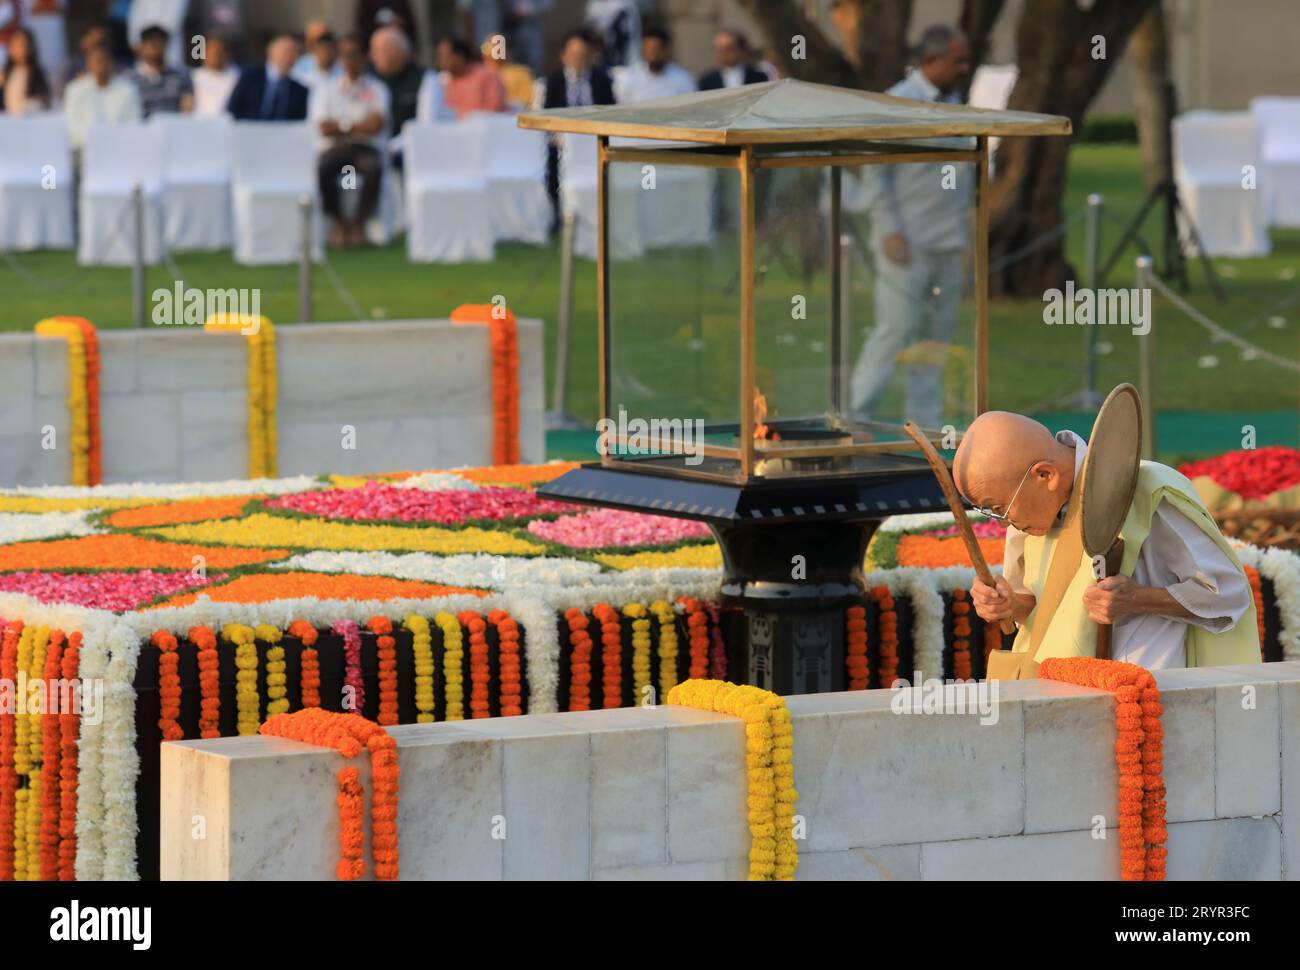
(1282, 569)
(170, 490)
(438, 482)
(25, 526)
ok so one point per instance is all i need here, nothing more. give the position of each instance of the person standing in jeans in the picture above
(350, 114)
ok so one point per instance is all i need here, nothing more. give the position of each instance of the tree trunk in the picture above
(882, 42)
(1059, 74)
(1152, 97)
(977, 20)
(783, 20)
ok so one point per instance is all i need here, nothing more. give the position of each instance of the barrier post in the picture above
(137, 263)
(304, 258)
(1146, 364)
(559, 416)
(1092, 271)
(847, 244)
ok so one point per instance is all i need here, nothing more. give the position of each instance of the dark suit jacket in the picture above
(712, 81)
(557, 91)
(250, 91)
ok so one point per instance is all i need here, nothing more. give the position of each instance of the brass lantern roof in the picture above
(791, 111)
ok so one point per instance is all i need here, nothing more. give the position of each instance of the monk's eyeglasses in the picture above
(1005, 514)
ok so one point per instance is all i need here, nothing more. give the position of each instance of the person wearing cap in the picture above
(163, 89)
(1181, 598)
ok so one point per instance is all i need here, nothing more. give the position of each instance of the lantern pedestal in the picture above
(792, 553)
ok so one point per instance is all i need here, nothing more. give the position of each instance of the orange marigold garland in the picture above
(309, 680)
(8, 748)
(855, 647)
(580, 660)
(479, 672)
(1139, 755)
(503, 334)
(888, 635)
(205, 641)
(1257, 591)
(69, 729)
(50, 780)
(169, 686)
(697, 625)
(611, 638)
(382, 627)
(961, 632)
(512, 698)
(350, 734)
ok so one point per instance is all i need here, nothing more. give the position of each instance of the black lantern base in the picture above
(792, 552)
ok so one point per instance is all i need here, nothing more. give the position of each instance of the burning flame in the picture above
(761, 431)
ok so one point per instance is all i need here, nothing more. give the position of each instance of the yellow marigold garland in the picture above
(453, 641)
(83, 393)
(667, 618)
(422, 647)
(277, 689)
(263, 388)
(640, 618)
(769, 748)
(247, 702)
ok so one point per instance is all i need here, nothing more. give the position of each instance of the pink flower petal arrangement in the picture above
(116, 591)
(376, 501)
(988, 529)
(614, 527)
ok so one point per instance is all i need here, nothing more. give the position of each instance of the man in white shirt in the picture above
(321, 62)
(350, 115)
(215, 79)
(658, 76)
(920, 218)
(98, 97)
(1186, 601)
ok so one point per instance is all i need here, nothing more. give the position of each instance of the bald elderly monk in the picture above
(1181, 598)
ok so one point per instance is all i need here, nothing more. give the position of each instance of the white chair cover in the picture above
(117, 158)
(196, 182)
(35, 183)
(579, 195)
(516, 163)
(1279, 152)
(1211, 148)
(447, 195)
(272, 166)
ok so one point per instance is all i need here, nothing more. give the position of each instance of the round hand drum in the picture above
(1106, 487)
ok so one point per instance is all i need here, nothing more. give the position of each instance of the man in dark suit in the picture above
(266, 92)
(578, 82)
(732, 55)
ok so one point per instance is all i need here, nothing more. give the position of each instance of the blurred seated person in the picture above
(100, 96)
(163, 89)
(658, 76)
(350, 114)
(266, 92)
(516, 78)
(375, 15)
(321, 60)
(215, 79)
(23, 86)
(306, 63)
(94, 34)
(390, 57)
(732, 56)
(469, 85)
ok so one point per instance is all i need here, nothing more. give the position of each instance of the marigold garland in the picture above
(386, 647)
(667, 620)
(1257, 591)
(452, 658)
(697, 625)
(8, 748)
(717, 649)
(205, 641)
(354, 689)
(769, 749)
(855, 647)
(350, 734)
(277, 684)
(22, 763)
(422, 647)
(478, 662)
(1139, 755)
(83, 394)
(247, 702)
(263, 388)
(69, 729)
(512, 698)
(888, 624)
(309, 679)
(961, 632)
(504, 337)
(169, 686)
(640, 618)
(611, 638)
(50, 759)
(580, 660)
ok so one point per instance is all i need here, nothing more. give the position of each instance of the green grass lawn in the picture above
(1206, 388)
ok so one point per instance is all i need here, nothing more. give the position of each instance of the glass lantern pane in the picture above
(674, 308)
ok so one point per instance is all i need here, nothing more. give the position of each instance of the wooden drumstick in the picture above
(940, 468)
